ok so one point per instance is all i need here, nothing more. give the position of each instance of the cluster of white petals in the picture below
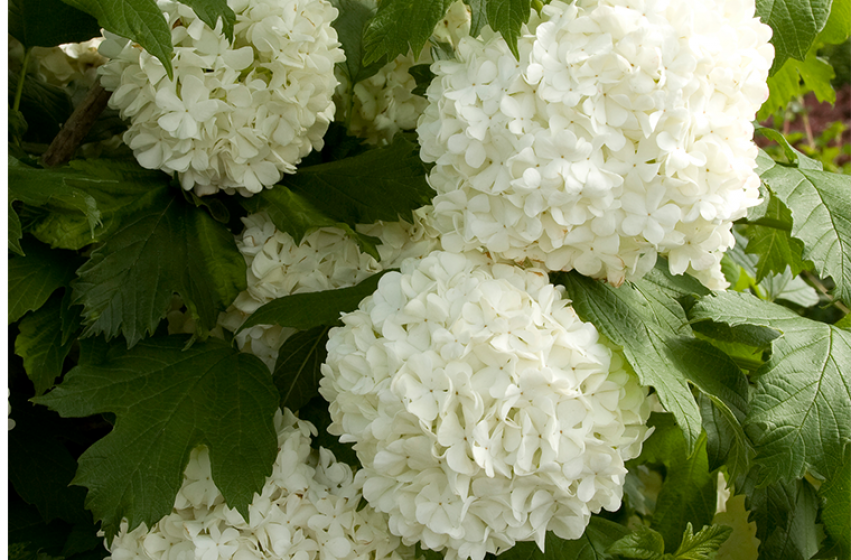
(622, 133)
(384, 103)
(307, 510)
(326, 259)
(483, 410)
(236, 116)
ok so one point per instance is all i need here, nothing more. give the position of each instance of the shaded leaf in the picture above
(48, 23)
(785, 514)
(40, 344)
(381, 184)
(316, 412)
(776, 247)
(643, 542)
(835, 493)
(688, 494)
(167, 401)
(793, 80)
(726, 442)
(800, 413)
(33, 278)
(507, 17)
(354, 16)
(297, 371)
(599, 535)
(314, 309)
(401, 25)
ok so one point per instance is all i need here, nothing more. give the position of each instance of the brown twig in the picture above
(74, 131)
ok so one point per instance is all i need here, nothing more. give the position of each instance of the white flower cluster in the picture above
(622, 132)
(236, 116)
(326, 259)
(384, 103)
(483, 410)
(307, 510)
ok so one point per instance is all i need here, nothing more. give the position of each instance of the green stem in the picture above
(19, 91)
(767, 222)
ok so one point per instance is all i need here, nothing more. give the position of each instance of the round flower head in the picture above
(483, 410)
(326, 259)
(307, 510)
(622, 132)
(385, 103)
(236, 116)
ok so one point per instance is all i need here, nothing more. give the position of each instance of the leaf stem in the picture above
(767, 222)
(19, 90)
(74, 131)
(814, 280)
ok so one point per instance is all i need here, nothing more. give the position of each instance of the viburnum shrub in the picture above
(505, 278)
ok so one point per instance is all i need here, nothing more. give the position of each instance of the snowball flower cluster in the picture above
(622, 133)
(326, 259)
(236, 116)
(384, 103)
(307, 510)
(483, 410)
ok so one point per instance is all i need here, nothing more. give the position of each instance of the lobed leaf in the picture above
(167, 401)
(643, 543)
(647, 321)
(169, 247)
(776, 248)
(704, 545)
(785, 513)
(800, 413)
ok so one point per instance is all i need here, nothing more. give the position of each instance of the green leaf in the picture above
(820, 204)
(835, 493)
(382, 184)
(507, 17)
(838, 26)
(56, 190)
(169, 247)
(167, 401)
(643, 542)
(785, 514)
(423, 75)
(688, 494)
(297, 371)
(647, 321)
(775, 246)
(401, 25)
(39, 343)
(314, 309)
(119, 190)
(138, 20)
(726, 442)
(15, 232)
(478, 17)
(211, 10)
(599, 535)
(295, 215)
(48, 23)
(785, 85)
(354, 16)
(704, 544)
(316, 412)
(44, 109)
(37, 275)
(43, 468)
(795, 23)
(800, 413)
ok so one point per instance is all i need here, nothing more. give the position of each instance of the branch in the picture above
(75, 130)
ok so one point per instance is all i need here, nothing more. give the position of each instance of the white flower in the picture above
(307, 510)
(622, 124)
(237, 115)
(326, 259)
(483, 410)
